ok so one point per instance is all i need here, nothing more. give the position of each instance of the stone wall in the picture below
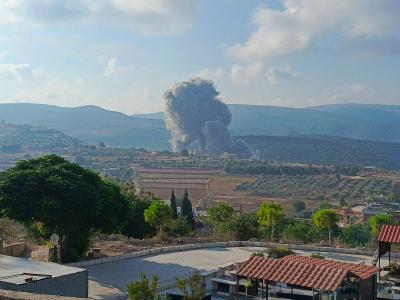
(14, 249)
(311, 249)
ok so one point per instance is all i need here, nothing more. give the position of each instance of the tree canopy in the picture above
(326, 219)
(270, 215)
(377, 221)
(220, 216)
(64, 198)
(158, 215)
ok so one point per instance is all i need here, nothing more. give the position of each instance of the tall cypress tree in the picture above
(186, 209)
(173, 206)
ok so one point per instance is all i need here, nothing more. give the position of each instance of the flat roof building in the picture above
(25, 275)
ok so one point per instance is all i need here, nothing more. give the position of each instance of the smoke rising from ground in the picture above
(194, 112)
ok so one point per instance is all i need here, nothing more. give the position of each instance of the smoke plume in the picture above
(194, 112)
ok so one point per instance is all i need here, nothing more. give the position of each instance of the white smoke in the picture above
(194, 112)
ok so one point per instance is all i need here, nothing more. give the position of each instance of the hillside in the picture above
(359, 121)
(92, 124)
(326, 150)
(27, 138)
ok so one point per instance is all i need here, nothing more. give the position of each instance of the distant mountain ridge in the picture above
(92, 124)
(326, 150)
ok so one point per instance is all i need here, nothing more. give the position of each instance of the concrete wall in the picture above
(14, 249)
(71, 285)
(224, 245)
(12, 295)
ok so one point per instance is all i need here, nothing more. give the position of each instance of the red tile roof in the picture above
(390, 234)
(303, 271)
(361, 270)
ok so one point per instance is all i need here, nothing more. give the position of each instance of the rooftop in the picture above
(390, 234)
(321, 274)
(17, 270)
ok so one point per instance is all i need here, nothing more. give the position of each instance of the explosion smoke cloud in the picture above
(194, 112)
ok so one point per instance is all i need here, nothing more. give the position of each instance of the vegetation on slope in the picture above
(15, 138)
(317, 187)
(326, 150)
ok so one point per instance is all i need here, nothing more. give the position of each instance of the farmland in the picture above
(160, 181)
(353, 188)
(205, 186)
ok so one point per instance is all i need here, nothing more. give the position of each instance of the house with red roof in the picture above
(302, 277)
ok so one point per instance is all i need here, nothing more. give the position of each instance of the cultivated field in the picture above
(205, 186)
(247, 192)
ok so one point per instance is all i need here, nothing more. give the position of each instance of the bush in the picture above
(246, 226)
(279, 252)
(178, 228)
(356, 235)
(297, 233)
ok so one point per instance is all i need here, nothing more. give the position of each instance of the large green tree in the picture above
(270, 215)
(220, 216)
(158, 215)
(136, 226)
(297, 233)
(377, 221)
(326, 219)
(246, 226)
(63, 198)
(187, 209)
(356, 235)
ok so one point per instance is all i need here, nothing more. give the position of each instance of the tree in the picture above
(158, 215)
(136, 226)
(377, 221)
(356, 235)
(192, 287)
(298, 206)
(63, 198)
(270, 215)
(186, 209)
(246, 226)
(220, 216)
(326, 219)
(297, 232)
(173, 206)
(178, 227)
(248, 284)
(144, 289)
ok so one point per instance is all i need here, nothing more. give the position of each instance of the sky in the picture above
(123, 54)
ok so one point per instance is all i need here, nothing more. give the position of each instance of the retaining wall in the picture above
(223, 245)
(14, 249)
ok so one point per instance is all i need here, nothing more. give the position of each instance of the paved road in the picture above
(109, 280)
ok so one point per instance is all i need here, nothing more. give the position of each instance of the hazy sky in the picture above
(123, 54)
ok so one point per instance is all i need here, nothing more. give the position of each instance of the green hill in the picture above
(25, 138)
(92, 124)
(326, 150)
